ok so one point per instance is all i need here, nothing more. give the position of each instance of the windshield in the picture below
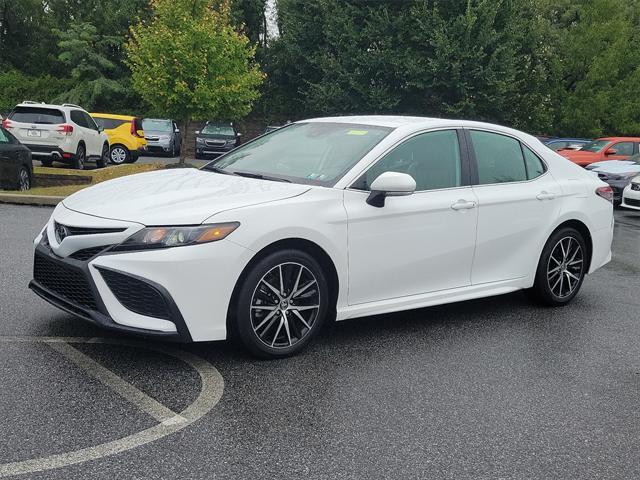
(156, 125)
(314, 152)
(595, 146)
(214, 129)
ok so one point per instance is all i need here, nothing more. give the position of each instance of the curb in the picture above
(30, 199)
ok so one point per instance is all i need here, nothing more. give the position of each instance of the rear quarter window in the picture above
(37, 115)
(108, 123)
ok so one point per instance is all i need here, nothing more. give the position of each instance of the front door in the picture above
(418, 243)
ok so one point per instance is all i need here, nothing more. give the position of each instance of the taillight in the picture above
(606, 193)
(6, 123)
(134, 128)
(65, 129)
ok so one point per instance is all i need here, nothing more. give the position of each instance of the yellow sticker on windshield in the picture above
(357, 132)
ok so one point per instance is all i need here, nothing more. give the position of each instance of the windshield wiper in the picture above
(215, 169)
(261, 177)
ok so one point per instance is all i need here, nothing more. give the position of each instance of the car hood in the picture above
(615, 166)
(184, 196)
(216, 136)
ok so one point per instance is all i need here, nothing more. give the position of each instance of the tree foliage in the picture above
(190, 63)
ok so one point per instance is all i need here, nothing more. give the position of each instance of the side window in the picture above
(533, 164)
(4, 138)
(499, 158)
(558, 145)
(77, 117)
(623, 148)
(432, 159)
(89, 121)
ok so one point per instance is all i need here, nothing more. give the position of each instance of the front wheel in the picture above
(562, 268)
(119, 155)
(104, 157)
(282, 304)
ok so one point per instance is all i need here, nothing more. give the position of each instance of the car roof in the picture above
(48, 105)
(112, 116)
(612, 139)
(567, 139)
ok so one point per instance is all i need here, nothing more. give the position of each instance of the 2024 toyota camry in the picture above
(327, 218)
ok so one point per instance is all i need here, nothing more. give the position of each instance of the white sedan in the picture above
(331, 218)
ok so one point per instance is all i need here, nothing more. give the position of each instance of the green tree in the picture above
(190, 64)
(83, 52)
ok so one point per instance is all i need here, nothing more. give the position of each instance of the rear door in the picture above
(518, 200)
(35, 125)
(85, 132)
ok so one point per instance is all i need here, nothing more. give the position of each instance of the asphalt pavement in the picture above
(493, 388)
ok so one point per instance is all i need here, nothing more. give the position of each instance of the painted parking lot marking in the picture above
(212, 386)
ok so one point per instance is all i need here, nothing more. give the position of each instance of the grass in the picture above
(98, 175)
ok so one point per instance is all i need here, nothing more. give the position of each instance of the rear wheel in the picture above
(24, 180)
(119, 155)
(562, 268)
(80, 158)
(282, 304)
(104, 157)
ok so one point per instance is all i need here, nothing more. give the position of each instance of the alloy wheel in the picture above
(565, 267)
(24, 182)
(285, 305)
(118, 155)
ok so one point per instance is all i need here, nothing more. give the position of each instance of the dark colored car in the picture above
(216, 138)
(617, 173)
(557, 144)
(16, 166)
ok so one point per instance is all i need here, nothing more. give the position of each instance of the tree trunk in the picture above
(185, 139)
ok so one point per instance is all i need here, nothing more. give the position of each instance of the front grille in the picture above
(88, 253)
(215, 143)
(136, 295)
(632, 202)
(67, 282)
(89, 230)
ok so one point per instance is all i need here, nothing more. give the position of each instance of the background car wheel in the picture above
(173, 150)
(104, 157)
(119, 155)
(562, 268)
(79, 159)
(24, 180)
(282, 304)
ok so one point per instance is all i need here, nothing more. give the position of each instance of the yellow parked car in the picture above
(126, 136)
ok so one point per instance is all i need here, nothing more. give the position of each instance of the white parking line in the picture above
(123, 388)
(212, 386)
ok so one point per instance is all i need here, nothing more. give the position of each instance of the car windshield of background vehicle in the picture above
(43, 116)
(156, 125)
(214, 129)
(315, 153)
(595, 146)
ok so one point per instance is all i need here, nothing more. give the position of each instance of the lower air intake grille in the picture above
(87, 253)
(632, 202)
(65, 281)
(136, 295)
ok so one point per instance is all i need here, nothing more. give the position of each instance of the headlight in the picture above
(199, 140)
(165, 237)
(231, 142)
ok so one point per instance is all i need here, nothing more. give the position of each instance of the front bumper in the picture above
(94, 310)
(158, 146)
(195, 283)
(212, 151)
(631, 198)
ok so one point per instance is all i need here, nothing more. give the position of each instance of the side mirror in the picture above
(197, 132)
(611, 151)
(100, 129)
(238, 134)
(390, 184)
(176, 131)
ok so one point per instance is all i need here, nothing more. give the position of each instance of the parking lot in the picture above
(494, 388)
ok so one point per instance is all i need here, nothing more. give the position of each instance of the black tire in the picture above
(549, 287)
(79, 158)
(46, 162)
(172, 154)
(119, 154)
(104, 157)
(24, 179)
(261, 329)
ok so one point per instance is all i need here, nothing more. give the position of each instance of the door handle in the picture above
(463, 205)
(543, 195)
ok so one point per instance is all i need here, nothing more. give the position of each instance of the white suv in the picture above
(64, 133)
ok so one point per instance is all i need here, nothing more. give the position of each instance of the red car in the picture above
(610, 148)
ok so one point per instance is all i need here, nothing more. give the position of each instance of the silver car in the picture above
(162, 136)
